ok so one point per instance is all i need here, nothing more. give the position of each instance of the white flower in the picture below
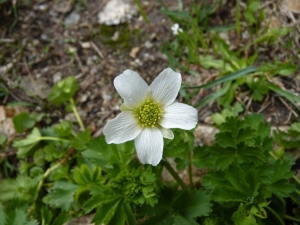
(148, 113)
(176, 29)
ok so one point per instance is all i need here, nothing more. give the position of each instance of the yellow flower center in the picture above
(149, 113)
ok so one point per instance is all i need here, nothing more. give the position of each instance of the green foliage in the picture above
(180, 147)
(136, 186)
(289, 139)
(15, 213)
(2, 139)
(220, 118)
(27, 144)
(61, 195)
(63, 91)
(179, 207)
(23, 121)
(111, 158)
(243, 168)
(22, 187)
(2, 215)
(241, 142)
(114, 202)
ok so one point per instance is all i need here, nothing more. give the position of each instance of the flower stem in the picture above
(190, 171)
(287, 217)
(174, 174)
(275, 215)
(40, 184)
(53, 139)
(73, 106)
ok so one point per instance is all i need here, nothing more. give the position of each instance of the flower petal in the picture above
(166, 133)
(179, 115)
(149, 146)
(131, 87)
(121, 129)
(165, 87)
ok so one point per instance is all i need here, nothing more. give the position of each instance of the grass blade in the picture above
(214, 96)
(289, 96)
(226, 78)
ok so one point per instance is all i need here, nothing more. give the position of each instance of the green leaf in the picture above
(179, 207)
(63, 91)
(111, 158)
(260, 87)
(27, 144)
(136, 186)
(2, 215)
(61, 195)
(294, 99)
(81, 139)
(62, 218)
(108, 211)
(239, 183)
(17, 213)
(227, 78)
(20, 217)
(242, 217)
(220, 118)
(85, 177)
(2, 139)
(287, 69)
(46, 215)
(280, 184)
(22, 122)
(22, 187)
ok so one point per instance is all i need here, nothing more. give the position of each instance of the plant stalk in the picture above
(76, 114)
(275, 214)
(190, 171)
(174, 174)
(287, 217)
(53, 139)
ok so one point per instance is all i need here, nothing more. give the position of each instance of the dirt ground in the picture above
(40, 50)
(50, 40)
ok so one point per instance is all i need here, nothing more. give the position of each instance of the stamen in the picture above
(149, 113)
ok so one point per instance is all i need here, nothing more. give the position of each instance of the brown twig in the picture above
(94, 46)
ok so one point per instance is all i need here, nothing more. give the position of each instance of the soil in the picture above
(38, 49)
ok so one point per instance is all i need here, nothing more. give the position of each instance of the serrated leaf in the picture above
(280, 179)
(175, 207)
(61, 195)
(107, 211)
(19, 218)
(95, 200)
(225, 139)
(201, 157)
(85, 177)
(81, 139)
(196, 204)
(22, 187)
(111, 158)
